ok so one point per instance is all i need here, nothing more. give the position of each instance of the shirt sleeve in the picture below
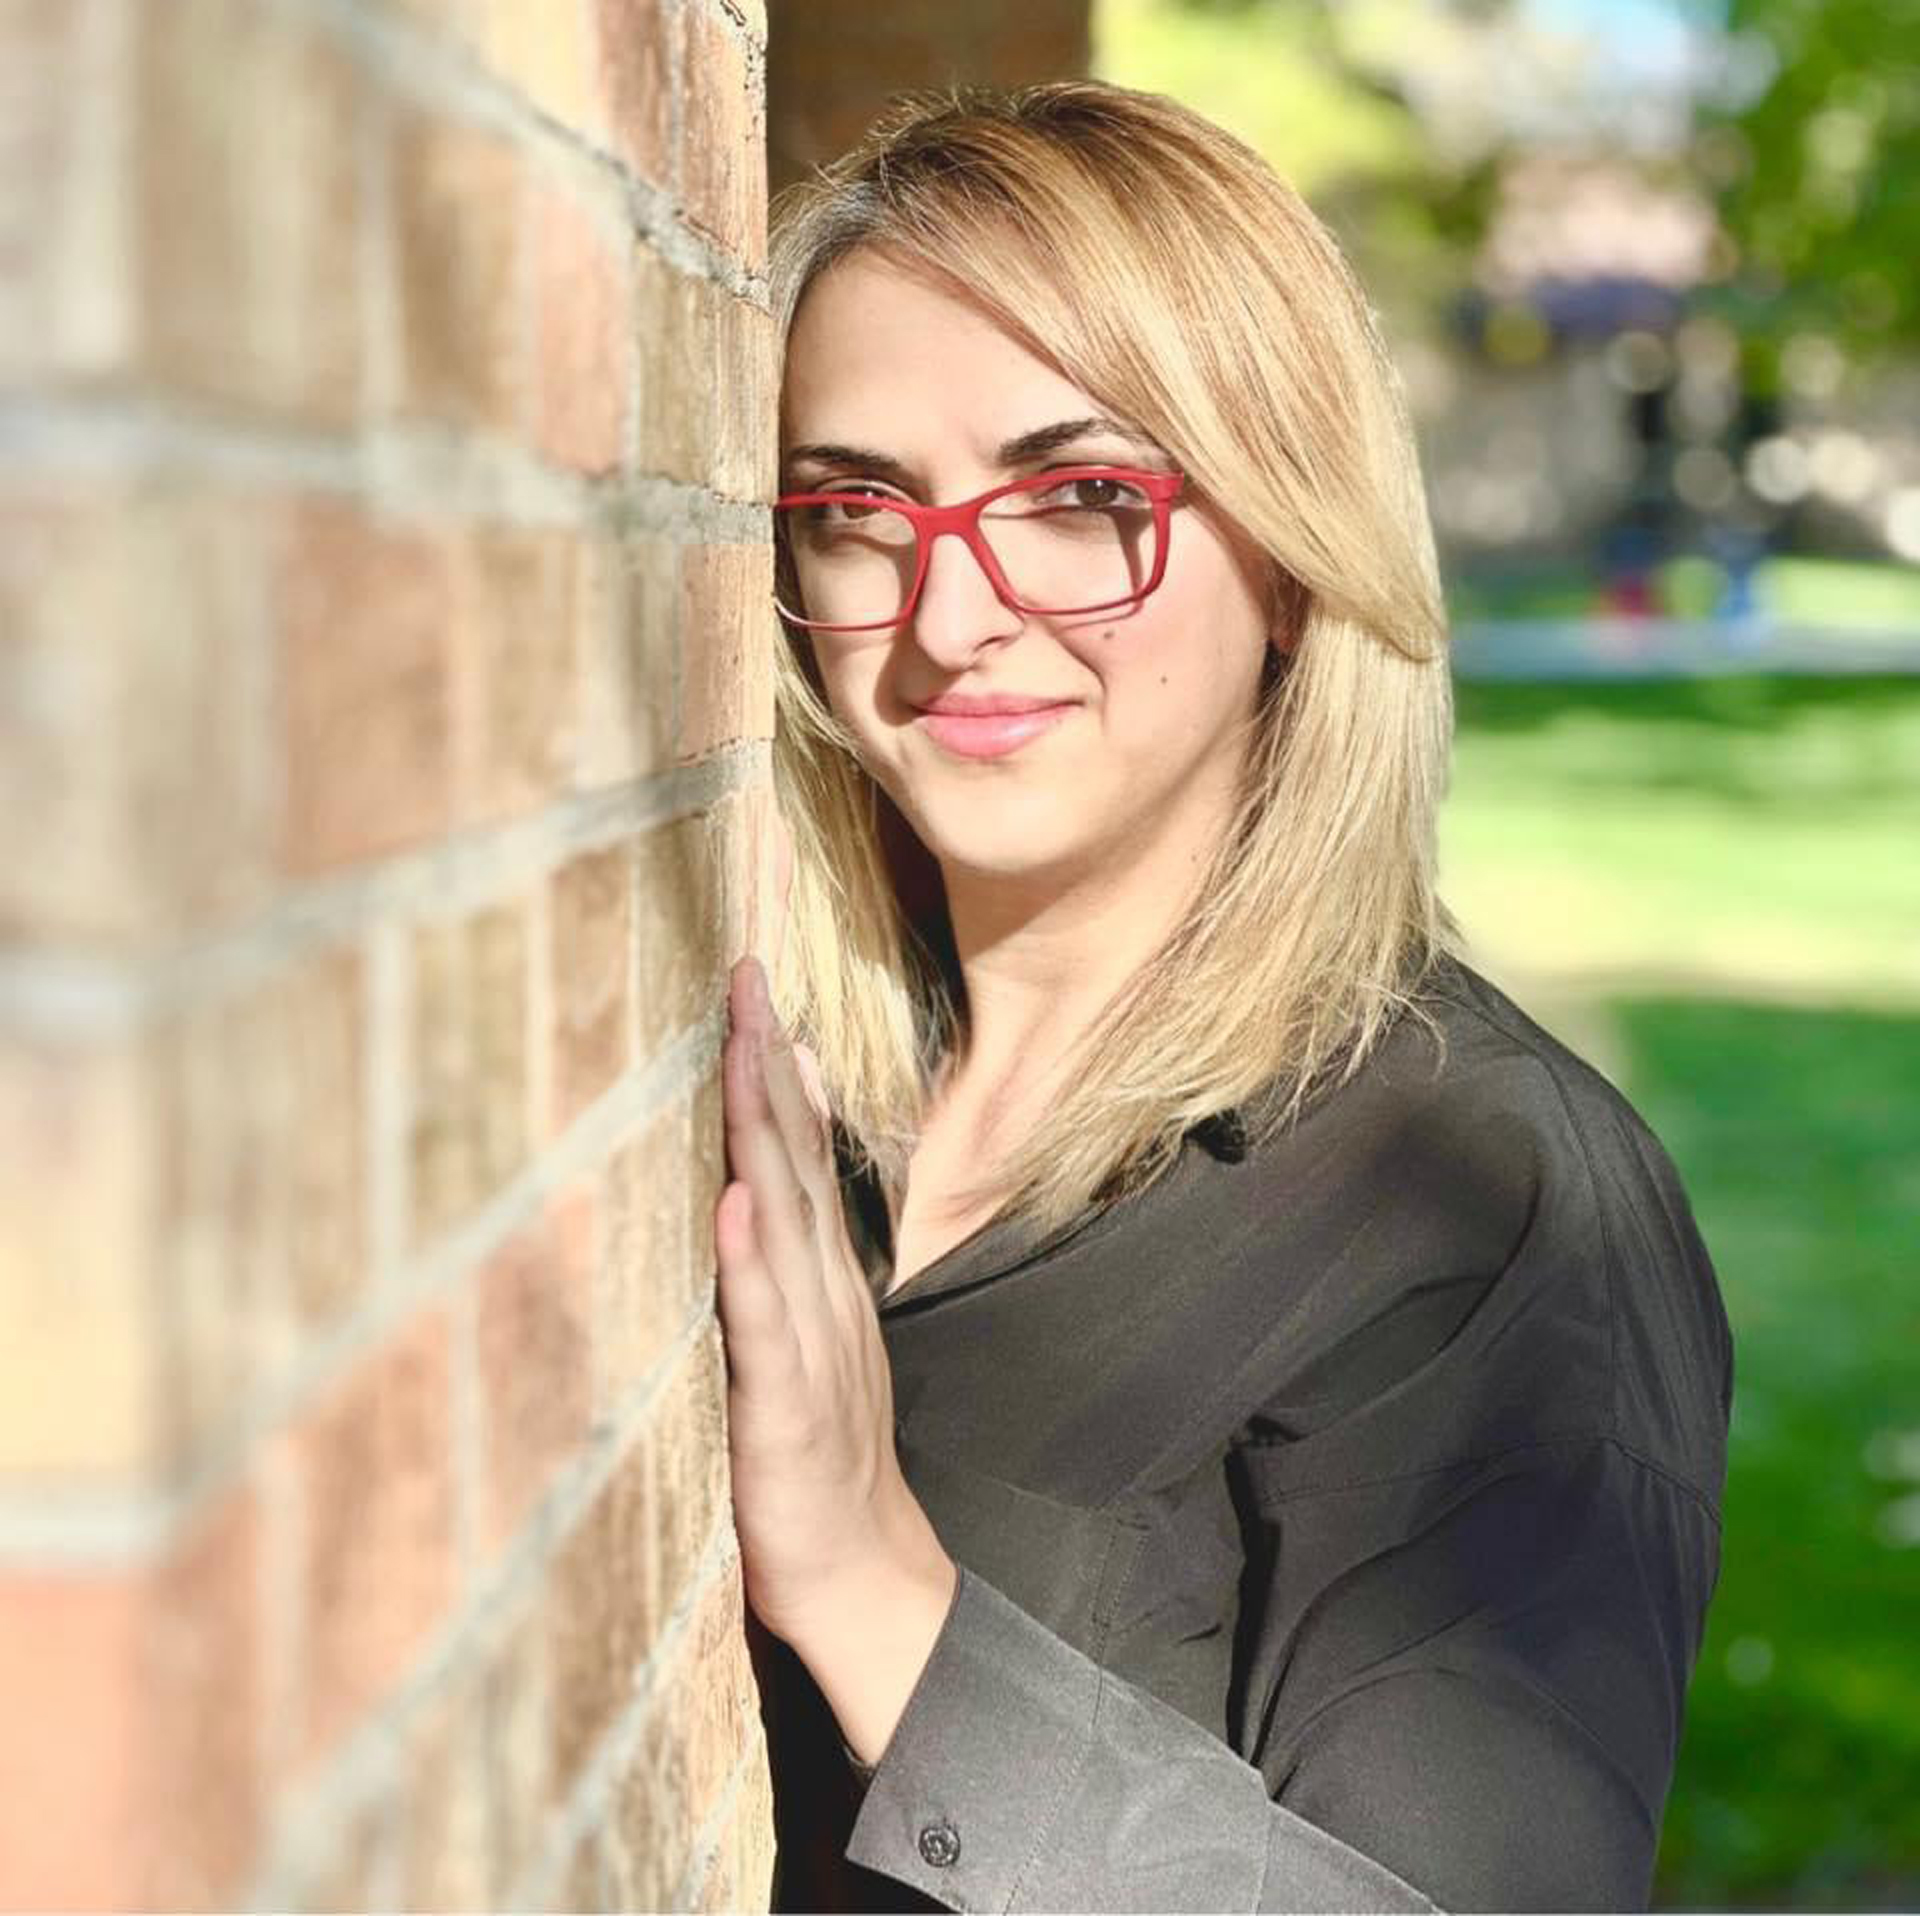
(1482, 1718)
(1023, 1775)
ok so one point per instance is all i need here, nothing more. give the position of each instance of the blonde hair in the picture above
(1169, 272)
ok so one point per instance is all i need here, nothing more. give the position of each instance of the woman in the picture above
(1226, 1412)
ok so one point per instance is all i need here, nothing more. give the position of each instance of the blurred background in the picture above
(1649, 271)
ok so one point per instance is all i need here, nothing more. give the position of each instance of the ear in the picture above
(1287, 604)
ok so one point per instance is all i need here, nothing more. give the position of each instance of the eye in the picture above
(856, 509)
(1096, 492)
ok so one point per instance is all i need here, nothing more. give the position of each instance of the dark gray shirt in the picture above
(1336, 1520)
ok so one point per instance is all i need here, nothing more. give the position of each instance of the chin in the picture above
(1003, 842)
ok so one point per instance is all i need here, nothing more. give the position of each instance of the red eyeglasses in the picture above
(1077, 539)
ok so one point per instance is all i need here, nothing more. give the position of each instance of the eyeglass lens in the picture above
(1082, 543)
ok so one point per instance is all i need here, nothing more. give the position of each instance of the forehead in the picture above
(877, 349)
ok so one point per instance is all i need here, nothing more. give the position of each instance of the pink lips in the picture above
(990, 734)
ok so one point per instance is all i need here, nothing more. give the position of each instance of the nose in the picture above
(958, 609)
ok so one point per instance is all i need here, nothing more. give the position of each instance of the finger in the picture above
(815, 1082)
(754, 1319)
(785, 1211)
(800, 1105)
(803, 1123)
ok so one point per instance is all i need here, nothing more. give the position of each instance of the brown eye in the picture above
(1098, 492)
(855, 508)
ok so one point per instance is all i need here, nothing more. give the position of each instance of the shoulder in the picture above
(1470, 1114)
(1514, 1255)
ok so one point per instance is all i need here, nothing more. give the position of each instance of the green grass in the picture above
(1837, 592)
(1712, 888)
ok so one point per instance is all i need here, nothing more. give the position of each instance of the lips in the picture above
(991, 733)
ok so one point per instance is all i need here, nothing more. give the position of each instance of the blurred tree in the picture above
(1810, 137)
(1327, 94)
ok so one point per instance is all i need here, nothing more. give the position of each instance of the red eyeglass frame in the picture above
(962, 519)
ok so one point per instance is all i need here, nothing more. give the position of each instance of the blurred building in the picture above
(832, 63)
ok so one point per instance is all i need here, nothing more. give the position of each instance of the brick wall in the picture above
(831, 63)
(386, 411)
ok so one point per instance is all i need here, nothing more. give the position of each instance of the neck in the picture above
(1043, 953)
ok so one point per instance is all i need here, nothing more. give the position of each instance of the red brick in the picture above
(743, 455)
(711, 1697)
(132, 707)
(517, 1682)
(516, 620)
(635, 88)
(583, 333)
(676, 318)
(592, 928)
(534, 1305)
(648, 1845)
(680, 976)
(740, 1873)
(457, 272)
(62, 574)
(260, 1201)
(363, 614)
(706, 1179)
(730, 633)
(687, 1442)
(444, 1860)
(76, 1199)
(376, 1484)
(127, 1773)
(65, 305)
(454, 20)
(323, 1154)
(724, 159)
(628, 628)
(540, 49)
(704, 1717)
(249, 204)
(586, 1875)
(467, 1064)
(642, 1298)
(741, 828)
(604, 1610)
(224, 1115)
(198, 786)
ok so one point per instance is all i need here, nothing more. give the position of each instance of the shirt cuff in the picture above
(1023, 1775)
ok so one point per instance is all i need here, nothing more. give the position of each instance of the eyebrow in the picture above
(1018, 451)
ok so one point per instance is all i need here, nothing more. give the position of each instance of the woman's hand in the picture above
(834, 1546)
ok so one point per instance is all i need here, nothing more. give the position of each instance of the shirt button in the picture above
(940, 1844)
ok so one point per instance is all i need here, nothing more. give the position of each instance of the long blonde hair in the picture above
(1169, 272)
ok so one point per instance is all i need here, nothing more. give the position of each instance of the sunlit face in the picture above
(931, 392)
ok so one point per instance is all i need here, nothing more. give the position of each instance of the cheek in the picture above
(1158, 653)
(852, 688)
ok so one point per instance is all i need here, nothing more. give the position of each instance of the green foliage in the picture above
(1307, 88)
(1819, 178)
